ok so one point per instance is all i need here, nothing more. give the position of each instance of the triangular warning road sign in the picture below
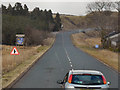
(14, 51)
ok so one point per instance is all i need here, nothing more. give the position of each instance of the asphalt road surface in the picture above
(58, 60)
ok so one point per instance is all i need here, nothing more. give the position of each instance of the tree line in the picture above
(36, 24)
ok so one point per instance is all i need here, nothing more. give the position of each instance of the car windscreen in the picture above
(87, 79)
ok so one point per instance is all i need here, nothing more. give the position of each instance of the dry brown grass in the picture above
(9, 62)
(86, 43)
(67, 25)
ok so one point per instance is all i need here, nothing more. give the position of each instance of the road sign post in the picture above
(19, 42)
(20, 38)
(96, 46)
(14, 52)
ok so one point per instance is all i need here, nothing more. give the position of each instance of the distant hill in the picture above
(71, 22)
(76, 22)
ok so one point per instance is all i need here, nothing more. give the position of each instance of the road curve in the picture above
(58, 60)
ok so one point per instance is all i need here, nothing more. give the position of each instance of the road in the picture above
(58, 60)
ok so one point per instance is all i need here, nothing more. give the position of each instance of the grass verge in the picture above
(87, 44)
(13, 74)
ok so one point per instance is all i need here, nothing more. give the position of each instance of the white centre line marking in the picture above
(67, 53)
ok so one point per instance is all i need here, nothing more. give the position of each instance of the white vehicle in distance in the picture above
(84, 79)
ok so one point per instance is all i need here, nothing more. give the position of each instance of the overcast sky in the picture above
(73, 7)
